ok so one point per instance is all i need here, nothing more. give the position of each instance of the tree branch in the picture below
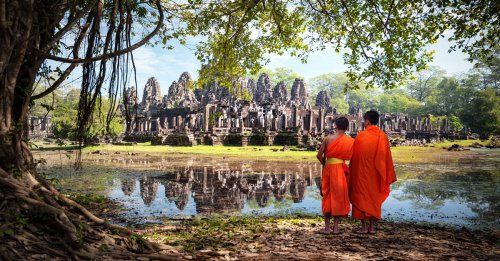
(389, 13)
(119, 52)
(379, 15)
(68, 70)
(243, 24)
(57, 36)
(56, 84)
(278, 24)
(356, 31)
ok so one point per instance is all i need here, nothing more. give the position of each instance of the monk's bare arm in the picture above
(321, 152)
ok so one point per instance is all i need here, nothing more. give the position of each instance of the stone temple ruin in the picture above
(251, 113)
(39, 127)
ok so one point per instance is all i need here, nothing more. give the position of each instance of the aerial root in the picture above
(80, 208)
(13, 251)
(44, 247)
(60, 227)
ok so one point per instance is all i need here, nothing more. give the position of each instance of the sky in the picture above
(167, 65)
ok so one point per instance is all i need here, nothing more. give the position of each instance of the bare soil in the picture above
(295, 238)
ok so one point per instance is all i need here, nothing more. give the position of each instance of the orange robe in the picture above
(334, 181)
(371, 173)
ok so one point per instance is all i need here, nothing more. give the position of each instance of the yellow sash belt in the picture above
(334, 161)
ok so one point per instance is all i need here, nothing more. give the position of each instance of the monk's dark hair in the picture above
(372, 116)
(342, 123)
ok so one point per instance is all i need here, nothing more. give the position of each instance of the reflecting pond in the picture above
(463, 193)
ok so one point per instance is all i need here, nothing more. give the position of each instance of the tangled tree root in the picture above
(37, 222)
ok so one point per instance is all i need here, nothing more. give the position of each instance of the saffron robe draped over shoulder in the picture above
(371, 173)
(334, 181)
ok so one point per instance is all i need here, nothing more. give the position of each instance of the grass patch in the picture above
(90, 178)
(86, 198)
(464, 143)
(433, 153)
(226, 233)
(269, 153)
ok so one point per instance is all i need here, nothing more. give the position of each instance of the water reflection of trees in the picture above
(221, 189)
(479, 190)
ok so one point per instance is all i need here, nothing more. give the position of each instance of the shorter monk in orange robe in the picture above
(371, 173)
(333, 152)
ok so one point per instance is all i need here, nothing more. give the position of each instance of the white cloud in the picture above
(146, 61)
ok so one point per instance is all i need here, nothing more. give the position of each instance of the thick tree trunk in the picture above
(21, 191)
(25, 25)
(15, 35)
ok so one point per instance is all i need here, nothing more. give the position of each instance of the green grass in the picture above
(464, 143)
(86, 198)
(91, 177)
(271, 153)
(408, 155)
(268, 153)
(402, 154)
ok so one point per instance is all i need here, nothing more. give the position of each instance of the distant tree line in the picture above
(62, 107)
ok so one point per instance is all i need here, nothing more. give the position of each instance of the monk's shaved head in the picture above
(372, 116)
(342, 123)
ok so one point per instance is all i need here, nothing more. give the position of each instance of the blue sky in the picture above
(168, 65)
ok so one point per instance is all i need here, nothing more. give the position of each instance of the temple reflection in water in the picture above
(218, 189)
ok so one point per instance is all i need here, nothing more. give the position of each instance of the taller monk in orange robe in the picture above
(333, 153)
(371, 173)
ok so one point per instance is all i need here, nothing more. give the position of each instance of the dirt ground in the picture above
(296, 238)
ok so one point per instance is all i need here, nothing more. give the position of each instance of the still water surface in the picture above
(464, 193)
(459, 194)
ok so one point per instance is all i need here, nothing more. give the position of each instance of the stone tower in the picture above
(263, 91)
(299, 95)
(280, 93)
(152, 92)
(251, 86)
(323, 99)
(180, 93)
(130, 96)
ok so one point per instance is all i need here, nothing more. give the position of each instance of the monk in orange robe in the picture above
(371, 173)
(333, 152)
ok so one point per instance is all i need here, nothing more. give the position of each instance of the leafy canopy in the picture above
(384, 41)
